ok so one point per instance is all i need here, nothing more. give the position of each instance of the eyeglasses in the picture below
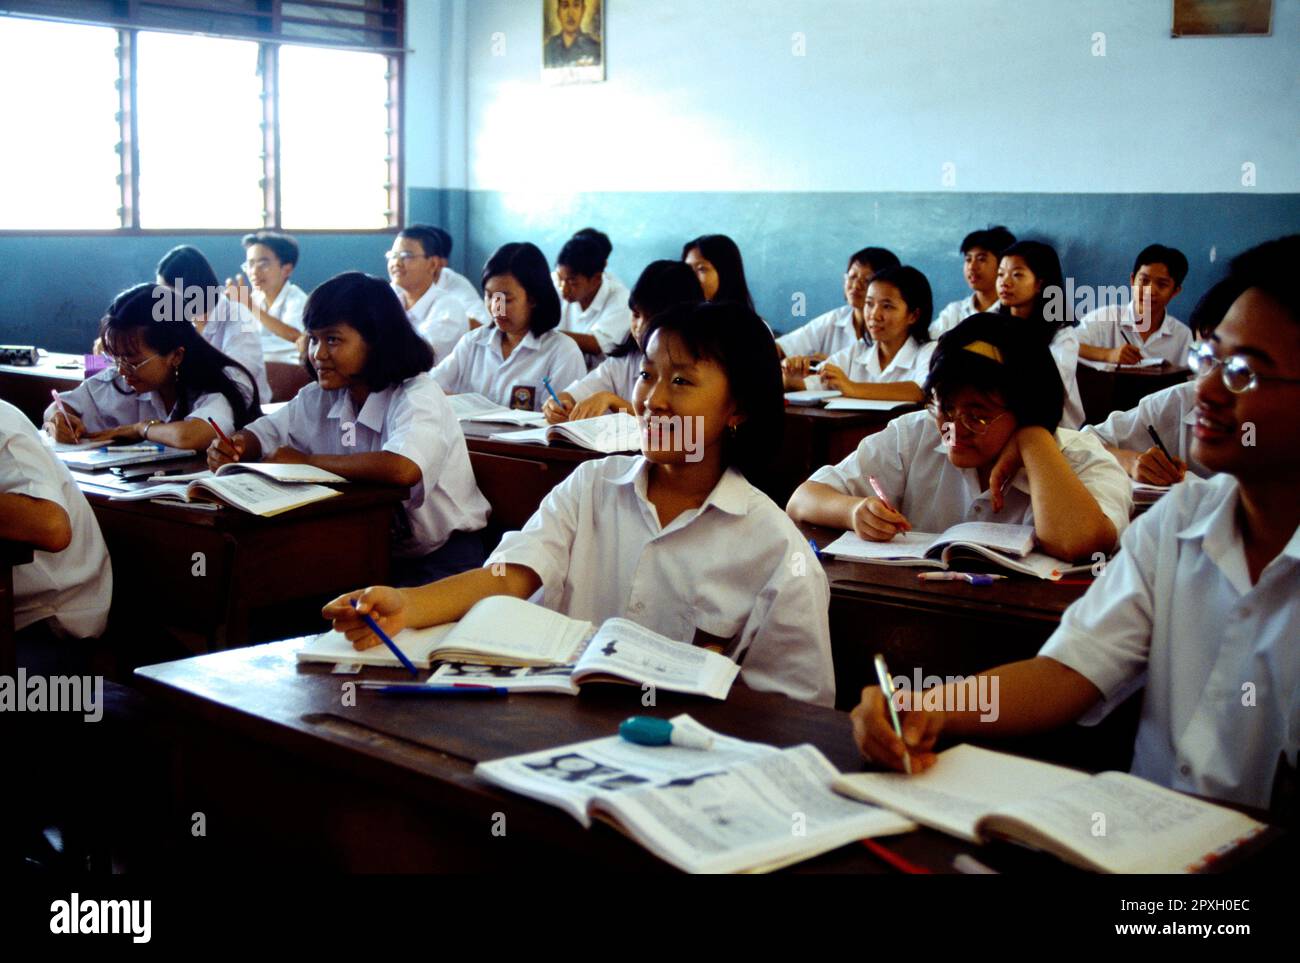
(402, 257)
(126, 367)
(972, 423)
(261, 262)
(1237, 374)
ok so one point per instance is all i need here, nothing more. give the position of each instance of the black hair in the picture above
(433, 241)
(600, 238)
(394, 351)
(582, 256)
(661, 285)
(527, 264)
(992, 239)
(283, 246)
(185, 266)
(722, 252)
(1043, 262)
(1266, 267)
(915, 289)
(738, 340)
(1026, 379)
(153, 313)
(1172, 258)
(876, 258)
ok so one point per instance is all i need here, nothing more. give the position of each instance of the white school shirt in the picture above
(1106, 328)
(475, 364)
(73, 587)
(955, 312)
(413, 419)
(608, 319)
(287, 308)
(233, 331)
(1222, 698)
(439, 318)
(449, 282)
(1173, 414)
(734, 572)
(618, 376)
(101, 405)
(861, 362)
(910, 460)
(824, 334)
(1065, 352)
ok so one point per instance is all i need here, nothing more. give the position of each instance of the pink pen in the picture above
(58, 403)
(880, 493)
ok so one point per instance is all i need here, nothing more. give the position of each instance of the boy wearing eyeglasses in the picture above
(275, 301)
(416, 262)
(988, 450)
(1202, 597)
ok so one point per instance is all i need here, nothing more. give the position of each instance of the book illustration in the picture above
(573, 767)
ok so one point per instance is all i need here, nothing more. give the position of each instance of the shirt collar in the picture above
(372, 412)
(845, 319)
(420, 308)
(905, 358)
(731, 494)
(1129, 320)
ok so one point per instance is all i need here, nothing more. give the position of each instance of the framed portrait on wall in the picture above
(573, 41)
(1222, 18)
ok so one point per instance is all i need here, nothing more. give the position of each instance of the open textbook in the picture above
(250, 492)
(1111, 822)
(1115, 366)
(559, 653)
(1007, 546)
(292, 474)
(738, 807)
(474, 407)
(604, 433)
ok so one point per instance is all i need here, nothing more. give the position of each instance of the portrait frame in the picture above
(573, 41)
(1222, 18)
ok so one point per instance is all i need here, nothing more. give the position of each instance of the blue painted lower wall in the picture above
(53, 289)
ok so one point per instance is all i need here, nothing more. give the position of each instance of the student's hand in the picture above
(799, 365)
(557, 413)
(301, 345)
(1008, 463)
(284, 455)
(121, 433)
(237, 290)
(69, 430)
(1125, 354)
(1153, 468)
(874, 732)
(833, 377)
(876, 523)
(601, 403)
(219, 453)
(385, 605)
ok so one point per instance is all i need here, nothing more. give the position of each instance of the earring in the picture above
(732, 429)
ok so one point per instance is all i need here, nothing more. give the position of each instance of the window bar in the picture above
(128, 145)
(393, 214)
(269, 62)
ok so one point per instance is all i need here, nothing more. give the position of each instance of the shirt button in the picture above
(637, 607)
(1185, 769)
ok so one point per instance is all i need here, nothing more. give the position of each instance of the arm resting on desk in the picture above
(385, 467)
(36, 522)
(820, 504)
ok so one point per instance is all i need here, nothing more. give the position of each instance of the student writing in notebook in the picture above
(224, 324)
(988, 449)
(677, 538)
(890, 361)
(1143, 328)
(1202, 596)
(1031, 288)
(609, 387)
(374, 414)
(593, 304)
(507, 360)
(981, 251)
(166, 381)
(839, 328)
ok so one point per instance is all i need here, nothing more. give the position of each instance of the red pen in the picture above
(222, 435)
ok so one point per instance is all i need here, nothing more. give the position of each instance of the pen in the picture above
(122, 449)
(546, 383)
(1151, 430)
(423, 689)
(58, 403)
(816, 551)
(383, 637)
(223, 436)
(974, 578)
(880, 493)
(887, 687)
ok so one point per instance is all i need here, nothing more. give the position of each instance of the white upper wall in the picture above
(713, 96)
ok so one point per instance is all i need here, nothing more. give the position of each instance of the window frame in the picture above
(128, 148)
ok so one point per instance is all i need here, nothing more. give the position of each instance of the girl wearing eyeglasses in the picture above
(1202, 597)
(988, 450)
(167, 381)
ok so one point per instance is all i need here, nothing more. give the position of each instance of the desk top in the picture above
(52, 364)
(842, 418)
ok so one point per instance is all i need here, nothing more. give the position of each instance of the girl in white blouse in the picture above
(678, 538)
(609, 387)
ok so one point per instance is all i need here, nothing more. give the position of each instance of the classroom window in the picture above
(334, 139)
(58, 111)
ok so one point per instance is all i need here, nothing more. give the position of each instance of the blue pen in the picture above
(546, 383)
(123, 449)
(816, 551)
(383, 637)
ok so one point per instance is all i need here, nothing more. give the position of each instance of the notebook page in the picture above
(1015, 540)
(606, 433)
(903, 545)
(862, 404)
(503, 627)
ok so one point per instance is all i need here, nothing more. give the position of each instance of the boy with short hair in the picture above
(981, 251)
(1143, 328)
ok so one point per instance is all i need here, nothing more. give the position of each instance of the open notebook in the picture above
(1111, 822)
(1113, 366)
(1006, 546)
(250, 491)
(474, 407)
(604, 433)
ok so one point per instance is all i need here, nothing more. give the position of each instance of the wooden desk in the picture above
(814, 437)
(12, 554)
(205, 573)
(287, 774)
(28, 388)
(1102, 392)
